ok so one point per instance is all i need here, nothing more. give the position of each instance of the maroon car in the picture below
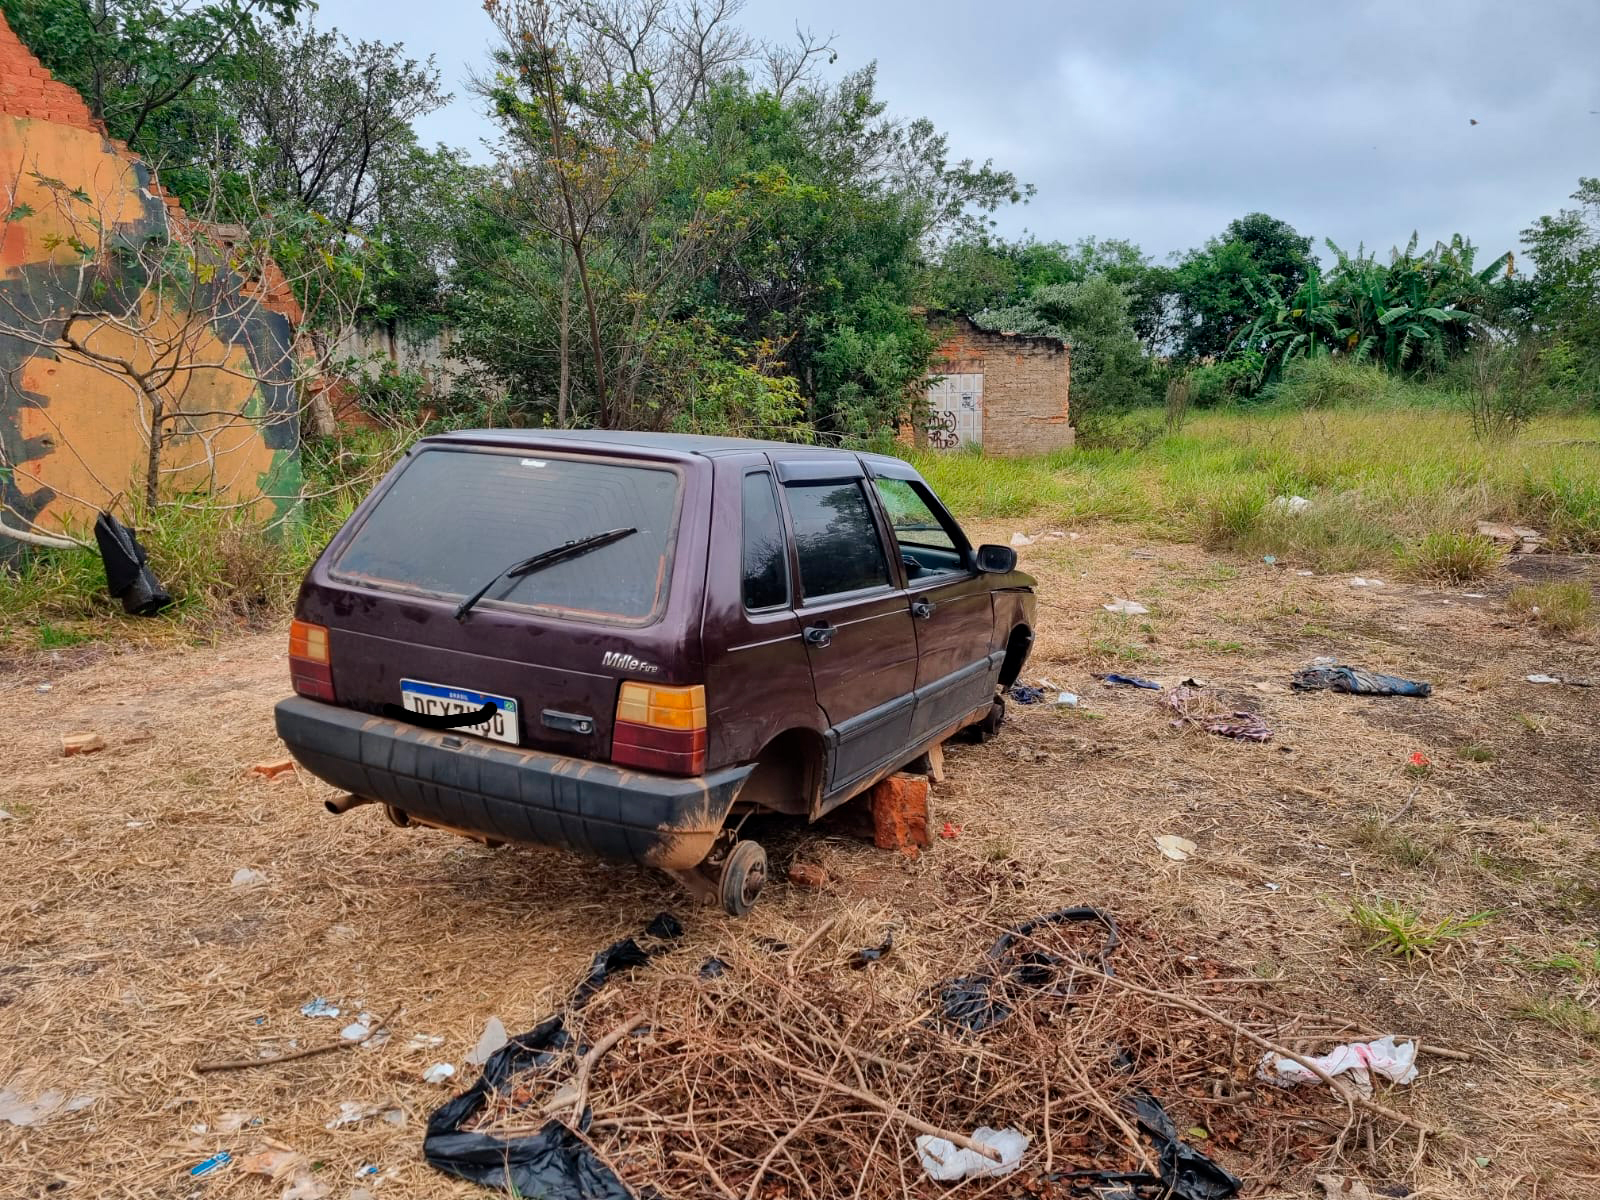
(622, 643)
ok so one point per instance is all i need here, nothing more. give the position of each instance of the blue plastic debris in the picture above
(1131, 681)
(320, 1007)
(1023, 694)
(215, 1163)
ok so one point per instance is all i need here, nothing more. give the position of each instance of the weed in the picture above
(998, 850)
(55, 637)
(1398, 930)
(1216, 646)
(1451, 557)
(1111, 642)
(1563, 1013)
(1476, 752)
(1377, 836)
(1557, 607)
(1583, 964)
(1529, 722)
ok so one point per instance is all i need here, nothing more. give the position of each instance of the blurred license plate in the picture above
(437, 700)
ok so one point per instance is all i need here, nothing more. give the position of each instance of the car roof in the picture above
(676, 443)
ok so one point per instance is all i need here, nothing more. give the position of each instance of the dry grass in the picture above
(129, 958)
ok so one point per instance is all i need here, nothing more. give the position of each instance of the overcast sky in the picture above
(1160, 121)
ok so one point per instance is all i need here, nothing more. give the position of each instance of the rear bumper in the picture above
(511, 794)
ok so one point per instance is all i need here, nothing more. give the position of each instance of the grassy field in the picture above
(1390, 490)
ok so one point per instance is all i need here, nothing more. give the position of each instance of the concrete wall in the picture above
(72, 437)
(1025, 386)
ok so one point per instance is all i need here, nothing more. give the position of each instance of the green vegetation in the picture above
(1395, 929)
(1563, 1013)
(1562, 608)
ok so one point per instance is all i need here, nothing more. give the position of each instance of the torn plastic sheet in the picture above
(946, 1162)
(556, 1163)
(1185, 1173)
(971, 1002)
(872, 954)
(1396, 1062)
(1357, 682)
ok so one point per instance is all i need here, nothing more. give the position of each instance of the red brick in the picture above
(900, 812)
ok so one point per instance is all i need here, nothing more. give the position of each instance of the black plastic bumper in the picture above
(510, 794)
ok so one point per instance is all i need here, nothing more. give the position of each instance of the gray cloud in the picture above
(1160, 121)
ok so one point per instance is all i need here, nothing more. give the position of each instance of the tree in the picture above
(1212, 286)
(327, 118)
(1565, 304)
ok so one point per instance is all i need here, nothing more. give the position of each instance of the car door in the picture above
(855, 618)
(950, 603)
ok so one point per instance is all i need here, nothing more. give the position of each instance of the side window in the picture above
(836, 539)
(925, 544)
(766, 561)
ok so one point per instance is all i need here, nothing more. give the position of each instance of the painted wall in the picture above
(73, 437)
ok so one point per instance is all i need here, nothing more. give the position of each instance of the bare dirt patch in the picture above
(129, 956)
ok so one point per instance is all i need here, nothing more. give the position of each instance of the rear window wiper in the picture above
(543, 559)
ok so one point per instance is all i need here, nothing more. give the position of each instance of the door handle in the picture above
(922, 607)
(819, 635)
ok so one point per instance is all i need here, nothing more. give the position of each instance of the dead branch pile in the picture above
(751, 1080)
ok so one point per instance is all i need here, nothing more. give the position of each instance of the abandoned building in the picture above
(1003, 392)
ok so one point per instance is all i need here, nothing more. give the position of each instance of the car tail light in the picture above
(660, 728)
(310, 666)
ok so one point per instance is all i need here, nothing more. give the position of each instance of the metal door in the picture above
(955, 411)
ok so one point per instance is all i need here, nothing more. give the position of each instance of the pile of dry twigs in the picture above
(808, 1070)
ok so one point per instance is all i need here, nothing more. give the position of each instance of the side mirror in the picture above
(995, 560)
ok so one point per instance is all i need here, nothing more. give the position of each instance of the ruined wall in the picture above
(1024, 384)
(73, 436)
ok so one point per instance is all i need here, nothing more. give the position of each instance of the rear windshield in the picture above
(454, 517)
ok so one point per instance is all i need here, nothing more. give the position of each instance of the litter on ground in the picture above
(1178, 849)
(1360, 582)
(946, 1162)
(1126, 608)
(1130, 681)
(1384, 1057)
(1357, 682)
(320, 1007)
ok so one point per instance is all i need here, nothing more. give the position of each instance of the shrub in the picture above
(1451, 557)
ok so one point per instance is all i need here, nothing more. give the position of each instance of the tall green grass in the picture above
(1398, 486)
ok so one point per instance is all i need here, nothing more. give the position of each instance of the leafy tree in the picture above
(1213, 286)
(1565, 300)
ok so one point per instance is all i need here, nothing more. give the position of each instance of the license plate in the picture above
(435, 699)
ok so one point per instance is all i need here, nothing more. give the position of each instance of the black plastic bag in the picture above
(971, 1002)
(1186, 1171)
(555, 1162)
(127, 577)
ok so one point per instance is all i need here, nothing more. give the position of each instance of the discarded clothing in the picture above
(1131, 681)
(1193, 706)
(1023, 694)
(127, 577)
(946, 1162)
(1396, 1062)
(972, 1002)
(1356, 682)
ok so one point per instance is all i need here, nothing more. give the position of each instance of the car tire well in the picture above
(1017, 647)
(788, 774)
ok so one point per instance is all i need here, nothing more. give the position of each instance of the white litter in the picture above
(1292, 504)
(944, 1161)
(1174, 847)
(43, 687)
(1021, 539)
(1305, 574)
(424, 1041)
(1360, 1060)
(248, 877)
(492, 1039)
(320, 1007)
(1475, 595)
(4, 815)
(359, 1028)
(1128, 608)
(1360, 582)
(1541, 679)
(1067, 700)
(353, 1112)
(17, 1111)
(438, 1073)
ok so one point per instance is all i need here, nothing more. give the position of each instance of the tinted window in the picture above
(766, 567)
(910, 517)
(835, 538)
(455, 517)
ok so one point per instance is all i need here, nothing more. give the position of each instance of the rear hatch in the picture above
(555, 643)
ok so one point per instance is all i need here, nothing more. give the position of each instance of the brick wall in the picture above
(1026, 381)
(27, 89)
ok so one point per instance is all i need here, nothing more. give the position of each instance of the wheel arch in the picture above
(1019, 643)
(788, 774)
